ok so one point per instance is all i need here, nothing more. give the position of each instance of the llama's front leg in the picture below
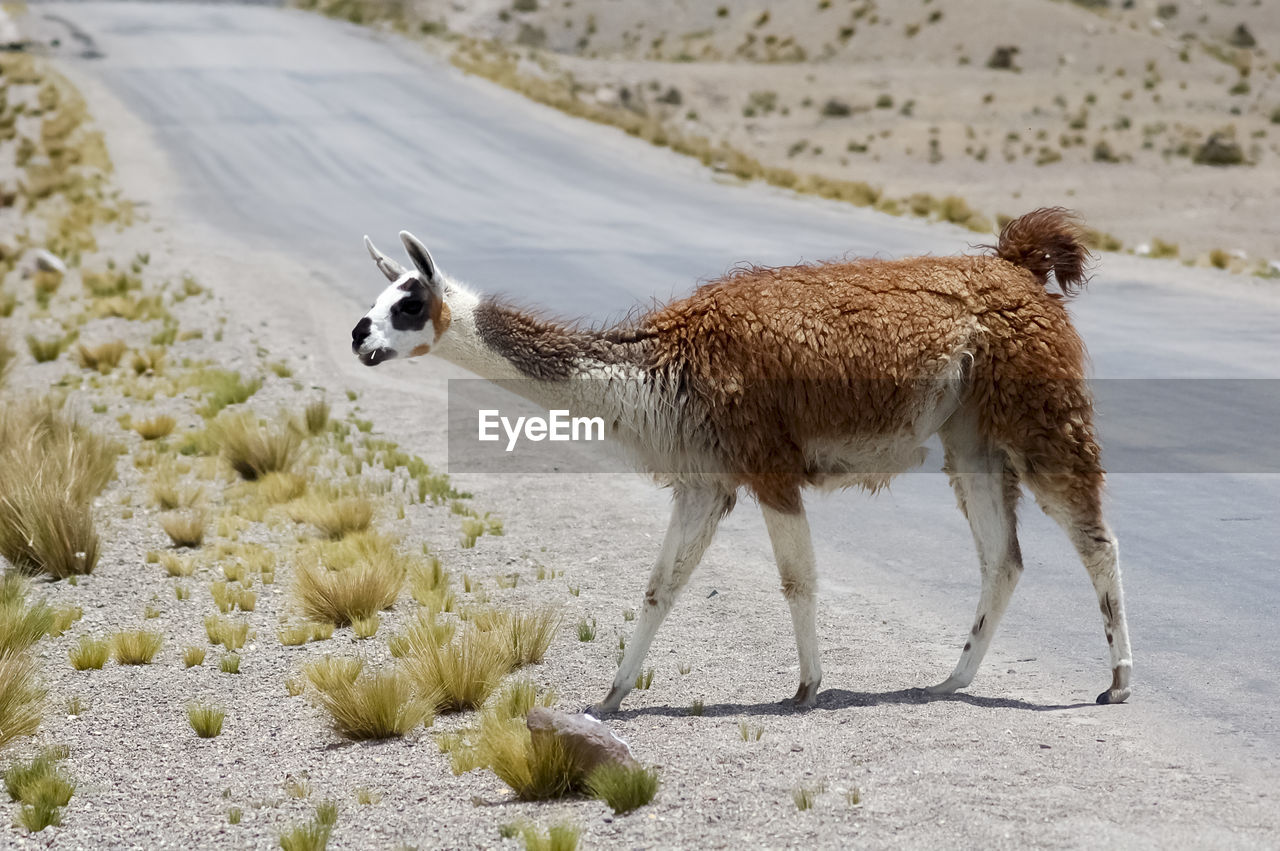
(694, 518)
(793, 550)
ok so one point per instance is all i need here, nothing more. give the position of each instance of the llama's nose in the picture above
(360, 333)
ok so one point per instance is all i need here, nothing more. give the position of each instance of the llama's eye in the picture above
(411, 308)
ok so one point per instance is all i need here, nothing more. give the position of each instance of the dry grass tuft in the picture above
(275, 488)
(48, 350)
(185, 529)
(89, 653)
(222, 388)
(559, 837)
(331, 672)
(103, 358)
(41, 787)
(135, 647)
(206, 719)
(193, 657)
(459, 675)
(253, 449)
(51, 468)
(352, 579)
(155, 427)
(525, 635)
(335, 517)
(176, 565)
(316, 417)
(380, 705)
(536, 769)
(168, 493)
(21, 697)
(229, 632)
(21, 624)
(623, 787)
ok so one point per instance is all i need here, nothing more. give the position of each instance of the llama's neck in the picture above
(548, 362)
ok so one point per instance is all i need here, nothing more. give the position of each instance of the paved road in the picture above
(300, 134)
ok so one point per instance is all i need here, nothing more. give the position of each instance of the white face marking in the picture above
(386, 342)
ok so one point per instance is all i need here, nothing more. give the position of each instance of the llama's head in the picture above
(410, 315)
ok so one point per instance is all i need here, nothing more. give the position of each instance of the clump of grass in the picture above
(229, 663)
(176, 565)
(749, 734)
(193, 657)
(363, 628)
(329, 673)
(168, 493)
(42, 788)
(334, 517)
(50, 349)
(102, 358)
(805, 796)
(154, 428)
(21, 623)
(697, 708)
(135, 647)
(252, 449)
(516, 699)
(149, 361)
(21, 696)
(366, 797)
(379, 705)
(206, 719)
(316, 416)
(312, 836)
(559, 837)
(229, 632)
(51, 468)
(89, 653)
(587, 630)
(185, 529)
(348, 580)
(425, 628)
(222, 388)
(459, 675)
(234, 815)
(7, 354)
(63, 618)
(527, 635)
(275, 488)
(644, 680)
(536, 768)
(625, 788)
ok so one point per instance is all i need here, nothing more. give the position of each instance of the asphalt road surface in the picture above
(301, 134)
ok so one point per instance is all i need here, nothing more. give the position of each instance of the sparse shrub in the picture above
(1220, 149)
(1219, 259)
(135, 647)
(89, 653)
(625, 788)
(185, 529)
(254, 450)
(379, 705)
(206, 719)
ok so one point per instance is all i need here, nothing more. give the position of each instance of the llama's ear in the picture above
(419, 255)
(390, 268)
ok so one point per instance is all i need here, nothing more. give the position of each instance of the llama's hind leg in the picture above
(793, 550)
(694, 519)
(988, 495)
(1075, 502)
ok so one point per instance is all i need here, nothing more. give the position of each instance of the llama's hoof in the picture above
(806, 696)
(1114, 695)
(948, 686)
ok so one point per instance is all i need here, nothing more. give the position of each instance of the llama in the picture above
(829, 375)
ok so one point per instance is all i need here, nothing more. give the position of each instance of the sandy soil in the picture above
(1100, 106)
(1025, 760)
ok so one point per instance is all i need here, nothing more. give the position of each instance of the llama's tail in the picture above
(1050, 239)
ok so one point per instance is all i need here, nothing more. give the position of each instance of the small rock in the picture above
(589, 739)
(47, 261)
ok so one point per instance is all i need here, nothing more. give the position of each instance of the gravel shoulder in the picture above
(1024, 760)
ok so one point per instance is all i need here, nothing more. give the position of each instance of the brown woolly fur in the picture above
(1047, 240)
